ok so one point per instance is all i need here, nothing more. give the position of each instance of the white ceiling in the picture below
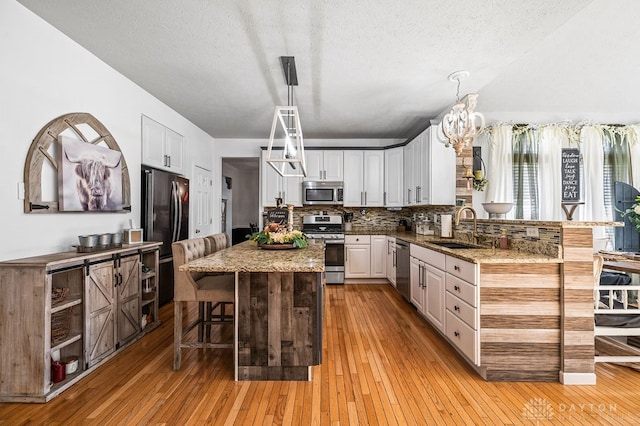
(366, 68)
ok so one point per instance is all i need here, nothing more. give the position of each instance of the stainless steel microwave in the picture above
(320, 192)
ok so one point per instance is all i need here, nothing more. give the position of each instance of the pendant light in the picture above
(285, 152)
(462, 124)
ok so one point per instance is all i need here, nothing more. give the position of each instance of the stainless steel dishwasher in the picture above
(402, 269)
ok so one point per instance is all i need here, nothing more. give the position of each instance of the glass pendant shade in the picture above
(285, 152)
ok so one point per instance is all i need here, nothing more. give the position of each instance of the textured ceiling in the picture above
(366, 69)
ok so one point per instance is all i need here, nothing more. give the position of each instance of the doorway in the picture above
(242, 197)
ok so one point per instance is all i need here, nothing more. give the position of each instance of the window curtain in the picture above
(633, 137)
(591, 147)
(500, 185)
(551, 141)
(525, 173)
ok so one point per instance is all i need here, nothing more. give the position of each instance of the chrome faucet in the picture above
(475, 220)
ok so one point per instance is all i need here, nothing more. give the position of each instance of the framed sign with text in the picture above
(570, 174)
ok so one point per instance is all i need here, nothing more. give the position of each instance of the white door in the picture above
(271, 183)
(174, 146)
(202, 202)
(393, 176)
(378, 256)
(334, 165)
(415, 280)
(357, 262)
(353, 179)
(314, 162)
(391, 260)
(374, 178)
(408, 195)
(435, 296)
(153, 148)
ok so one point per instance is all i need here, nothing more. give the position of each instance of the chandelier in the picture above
(285, 152)
(462, 124)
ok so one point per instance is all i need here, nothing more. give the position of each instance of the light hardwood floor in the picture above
(383, 364)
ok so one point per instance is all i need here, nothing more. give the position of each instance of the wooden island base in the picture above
(279, 325)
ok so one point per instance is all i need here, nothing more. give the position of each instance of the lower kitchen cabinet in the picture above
(71, 306)
(365, 256)
(357, 256)
(391, 260)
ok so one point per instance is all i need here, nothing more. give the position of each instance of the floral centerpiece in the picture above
(633, 214)
(274, 234)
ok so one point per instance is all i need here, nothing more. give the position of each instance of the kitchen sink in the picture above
(454, 245)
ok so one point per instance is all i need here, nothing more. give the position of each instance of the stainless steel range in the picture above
(329, 229)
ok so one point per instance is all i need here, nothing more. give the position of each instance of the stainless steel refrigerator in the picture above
(165, 218)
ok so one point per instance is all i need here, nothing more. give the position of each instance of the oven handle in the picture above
(334, 241)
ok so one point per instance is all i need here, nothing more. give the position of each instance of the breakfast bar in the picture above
(278, 308)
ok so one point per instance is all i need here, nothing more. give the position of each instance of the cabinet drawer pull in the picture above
(456, 288)
(456, 268)
(455, 333)
(456, 308)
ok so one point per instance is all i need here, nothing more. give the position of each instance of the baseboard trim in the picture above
(577, 378)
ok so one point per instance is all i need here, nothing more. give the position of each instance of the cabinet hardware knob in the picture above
(455, 333)
(456, 268)
(456, 288)
(456, 308)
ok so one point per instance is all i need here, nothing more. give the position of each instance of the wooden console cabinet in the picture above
(110, 300)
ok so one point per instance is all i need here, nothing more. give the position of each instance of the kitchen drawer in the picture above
(461, 269)
(357, 239)
(431, 257)
(462, 336)
(462, 289)
(461, 309)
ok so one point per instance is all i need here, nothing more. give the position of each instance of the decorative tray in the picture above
(276, 246)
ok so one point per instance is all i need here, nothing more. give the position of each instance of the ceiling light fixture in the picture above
(286, 133)
(462, 124)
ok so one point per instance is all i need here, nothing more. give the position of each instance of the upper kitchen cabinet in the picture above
(324, 165)
(275, 186)
(393, 177)
(162, 148)
(364, 178)
(430, 170)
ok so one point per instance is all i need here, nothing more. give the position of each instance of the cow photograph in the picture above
(89, 177)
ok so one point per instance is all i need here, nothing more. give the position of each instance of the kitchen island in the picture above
(278, 308)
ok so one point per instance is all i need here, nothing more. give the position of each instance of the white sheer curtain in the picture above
(551, 139)
(500, 167)
(593, 174)
(634, 151)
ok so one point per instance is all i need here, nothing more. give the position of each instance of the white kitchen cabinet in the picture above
(324, 165)
(364, 178)
(429, 284)
(378, 256)
(430, 170)
(391, 260)
(435, 301)
(462, 322)
(393, 177)
(357, 256)
(162, 148)
(409, 179)
(276, 186)
(416, 283)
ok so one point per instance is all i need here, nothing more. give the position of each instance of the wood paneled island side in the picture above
(278, 308)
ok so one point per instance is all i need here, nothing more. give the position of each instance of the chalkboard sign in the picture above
(279, 216)
(570, 174)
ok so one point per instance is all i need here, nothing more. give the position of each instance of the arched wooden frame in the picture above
(39, 152)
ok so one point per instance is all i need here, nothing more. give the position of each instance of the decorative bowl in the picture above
(497, 208)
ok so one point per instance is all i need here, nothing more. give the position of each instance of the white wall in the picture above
(245, 190)
(44, 74)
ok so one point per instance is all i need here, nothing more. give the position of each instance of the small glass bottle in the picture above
(503, 240)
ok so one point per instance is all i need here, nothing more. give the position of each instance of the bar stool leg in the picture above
(177, 335)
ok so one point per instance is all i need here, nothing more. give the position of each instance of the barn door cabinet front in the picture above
(113, 304)
(71, 306)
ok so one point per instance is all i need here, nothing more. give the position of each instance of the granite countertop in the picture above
(247, 257)
(475, 255)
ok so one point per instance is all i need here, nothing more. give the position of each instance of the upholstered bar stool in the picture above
(196, 287)
(222, 311)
